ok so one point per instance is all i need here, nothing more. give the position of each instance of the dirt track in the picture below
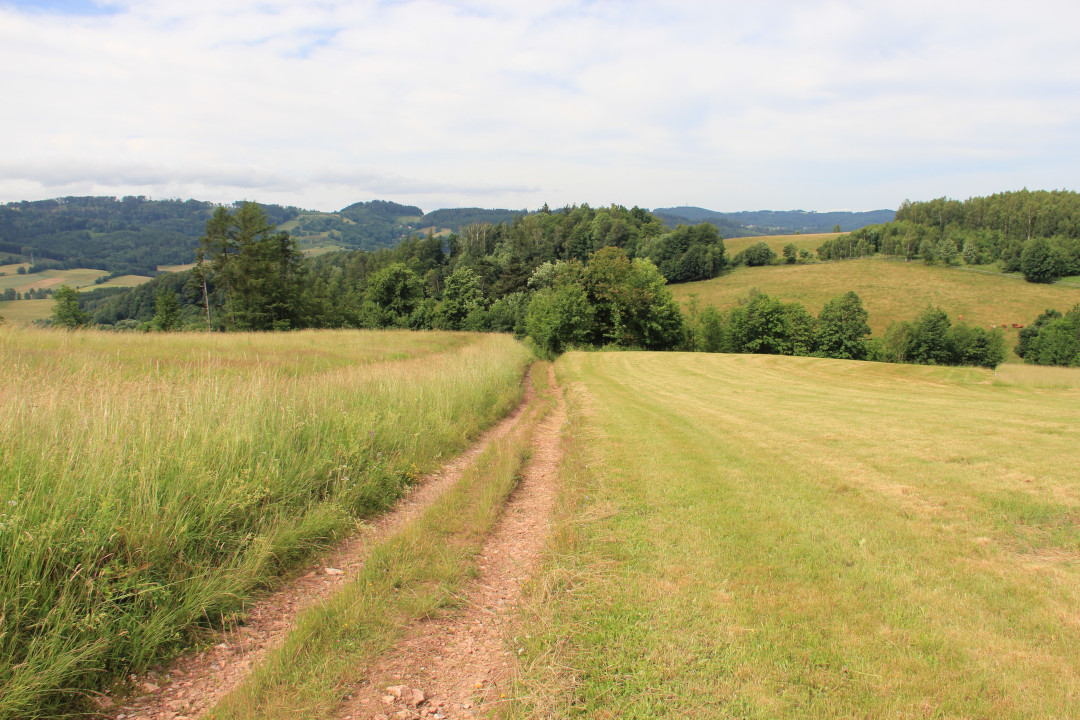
(460, 664)
(195, 682)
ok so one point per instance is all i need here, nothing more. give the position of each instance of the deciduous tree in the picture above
(66, 311)
(843, 328)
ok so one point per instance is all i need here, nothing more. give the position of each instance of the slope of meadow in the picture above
(151, 483)
(890, 290)
(809, 242)
(764, 537)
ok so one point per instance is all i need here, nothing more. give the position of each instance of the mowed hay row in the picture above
(774, 537)
(891, 290)
(150, 483)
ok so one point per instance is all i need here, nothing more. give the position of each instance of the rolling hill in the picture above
(890, 290)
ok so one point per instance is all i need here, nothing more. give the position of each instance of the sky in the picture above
(724, 105)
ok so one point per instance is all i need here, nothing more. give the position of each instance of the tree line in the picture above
(1033, 233)
(578, 277)
(766, 325)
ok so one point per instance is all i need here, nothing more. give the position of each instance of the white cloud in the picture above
(726, 105)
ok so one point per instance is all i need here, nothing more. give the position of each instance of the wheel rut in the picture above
(195, 682)
(459, 665)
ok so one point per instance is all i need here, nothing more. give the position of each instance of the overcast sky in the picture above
(724, 105)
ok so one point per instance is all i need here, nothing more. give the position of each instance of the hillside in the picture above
(131, 235)
(805, 241)
(139, 236)
(772, 222)
(890, 290)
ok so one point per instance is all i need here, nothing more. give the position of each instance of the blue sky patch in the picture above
(61, 7)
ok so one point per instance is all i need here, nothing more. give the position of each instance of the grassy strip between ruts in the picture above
(151, 484)
(765, 537)
(411, 575)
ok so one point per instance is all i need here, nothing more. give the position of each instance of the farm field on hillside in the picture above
(890, 290)
(26, 310)
(810, 242)
(121, 281)
(76, 278)
(82, 279)
(175, 268)
(774, 537)
(151, 483)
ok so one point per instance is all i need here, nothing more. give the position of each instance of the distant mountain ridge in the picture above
(748, 223)
(136, 235)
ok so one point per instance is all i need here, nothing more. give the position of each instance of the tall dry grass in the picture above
(150, 483)
(1038, 376)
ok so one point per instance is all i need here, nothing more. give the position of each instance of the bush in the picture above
(1037, 261)
(558, 318)
(758, 254)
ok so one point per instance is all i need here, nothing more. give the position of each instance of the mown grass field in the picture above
(150, 484)
(773, 537)
(76, 278)
(122, 281)
(175, 268)
(26, 311)
(890, 290)
(810, 242)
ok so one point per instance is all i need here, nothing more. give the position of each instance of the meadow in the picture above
(79, 278)
(890, 290)
(809, 242)
(26, 311)
(152, 484)
(76, 278)
(762, 537)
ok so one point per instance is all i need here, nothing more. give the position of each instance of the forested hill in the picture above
(135, 235)
(772, 222)
(129, 235)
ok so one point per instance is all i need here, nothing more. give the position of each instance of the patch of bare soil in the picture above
(196, 681)
(458, 666)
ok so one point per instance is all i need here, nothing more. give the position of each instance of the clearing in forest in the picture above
(775, 537)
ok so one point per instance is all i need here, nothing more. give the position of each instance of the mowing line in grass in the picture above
(764, 537)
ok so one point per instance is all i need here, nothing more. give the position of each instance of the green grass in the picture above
(80, 278)
(121, 281)
(76, 278)
(413, 574)
(150, 484)
(13, 268)
(769, 537)
(26, 311)
(890, 290)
